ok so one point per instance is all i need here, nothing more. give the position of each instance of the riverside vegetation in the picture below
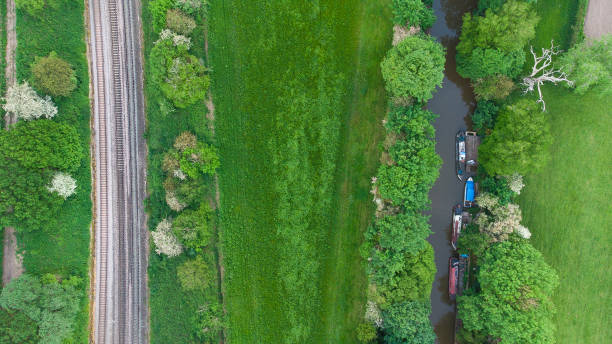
(45, 183)
(400, 264)
(518, 138)
(183, 279)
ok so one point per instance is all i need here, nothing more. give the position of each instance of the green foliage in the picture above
(407, 182)
(507, 30)
(32, 7)
(194, 274)
(408, 323)
(514, 304)
(494, 5)
(393, 238)
(412, 282)
(412, 13)
(493, 87)
(51, 305)
(63, 246)
(519, 143)
(16, 327)
(366, 333)
(414, 68)
(472, 242)
(499, 187)
(179, 22)
(192, 7)
(483, 62)
(158, 10)
(483, 118)
(588, 64)
(53, 75)
(210, 321)
(181, 77)
(193, 227)
(31, 152)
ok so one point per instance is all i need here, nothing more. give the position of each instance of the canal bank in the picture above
(453, 104)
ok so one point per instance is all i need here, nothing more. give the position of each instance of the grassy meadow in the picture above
(567, 205)
(299, 100)
(63, 249)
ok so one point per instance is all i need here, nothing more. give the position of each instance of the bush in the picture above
(519, 143)
(499, 187)
(408, 323)
(493, 87)
(192, 227)
(165, 241)
(413, 68)
(194, 274)
(412, 13)
(366, 333)
(210, 322)
(23, 101)
(16, 327)
(484, 116)
(181, 77)
(158, 9)
(179, 22)
(54, 75)
(191, 7)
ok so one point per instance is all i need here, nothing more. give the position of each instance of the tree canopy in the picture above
(514, 304)
(413, 13)
(520, 141)
(589, 64)
(408, 323)
(413, 68)
(53, 75)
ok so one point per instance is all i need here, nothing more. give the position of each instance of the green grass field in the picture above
(64, 249)
(299, 100)
(567, 206)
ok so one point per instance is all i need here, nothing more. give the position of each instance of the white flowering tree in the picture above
(175, 38)
(515, 183)
(22, 100)
(165, 240)
(63, 184)
(499, 221)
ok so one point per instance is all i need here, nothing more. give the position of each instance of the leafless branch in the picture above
(542, 71)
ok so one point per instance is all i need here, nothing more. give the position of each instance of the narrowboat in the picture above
(453, 277)
(460, 155)
(457, 223)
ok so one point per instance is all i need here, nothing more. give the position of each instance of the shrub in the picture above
(412, 13)
(22, 100)
(17, 328)
(408, 323)
(519, 143)
(192, 227)
(179, 22)
(54, 75)
(413, 68)
(191, 7)
(63, 184)
(165, 240)
(499, 187)
(210, 322)
(484, 116)
(194, 274)
(493, 87)
(158, 9)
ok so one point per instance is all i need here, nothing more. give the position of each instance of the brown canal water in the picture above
(452, 103)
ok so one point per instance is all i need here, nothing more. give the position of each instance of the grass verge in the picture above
(292, 211)
(63, 250)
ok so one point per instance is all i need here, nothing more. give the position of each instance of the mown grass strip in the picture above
(62, 250)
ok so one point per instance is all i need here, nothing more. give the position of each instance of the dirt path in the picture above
(597, 22)
(12, 264)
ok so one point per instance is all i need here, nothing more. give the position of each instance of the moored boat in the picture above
(469, 193)
(453, 277)
(457, 223)
(460, 155)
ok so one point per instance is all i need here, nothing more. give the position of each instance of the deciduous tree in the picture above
(408, 323)
(589, 64)
(54, 75)
(194, 274)
(22, 100)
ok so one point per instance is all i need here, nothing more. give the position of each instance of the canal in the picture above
(452, 103)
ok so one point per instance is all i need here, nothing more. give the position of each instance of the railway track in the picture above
(120, 295)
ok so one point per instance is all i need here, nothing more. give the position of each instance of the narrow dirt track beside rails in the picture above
(598, 21)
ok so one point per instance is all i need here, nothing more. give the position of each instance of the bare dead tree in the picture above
(543, 71)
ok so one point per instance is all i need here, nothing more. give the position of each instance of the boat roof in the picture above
(469, 190)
